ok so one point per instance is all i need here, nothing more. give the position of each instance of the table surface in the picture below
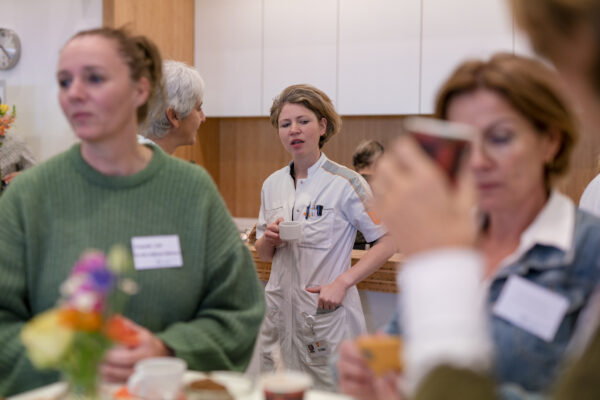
(53, 391)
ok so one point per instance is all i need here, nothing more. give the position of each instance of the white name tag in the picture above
(318, 349)
(531, 307)
(150, 252)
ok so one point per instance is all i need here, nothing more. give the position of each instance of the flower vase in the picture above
(80, 367)
(75, 392)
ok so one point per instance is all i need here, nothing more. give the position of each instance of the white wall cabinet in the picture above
(372, 57)
(379, 43)
(300, 39)
(228, 54)
(455, 30)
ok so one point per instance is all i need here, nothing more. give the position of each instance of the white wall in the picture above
(372, 57)
(43, 27)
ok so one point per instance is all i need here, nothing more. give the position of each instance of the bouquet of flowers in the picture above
(6, 120)
(73, 336)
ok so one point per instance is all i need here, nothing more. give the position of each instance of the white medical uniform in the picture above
(590, 199)
(306, 338)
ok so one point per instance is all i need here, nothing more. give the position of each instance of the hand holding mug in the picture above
(119, 362)
(272, 233)
(355, 377)
(422, 209)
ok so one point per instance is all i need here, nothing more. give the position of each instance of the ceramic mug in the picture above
(157, 378)
(290, 230)
(446, 142)
(286, 385)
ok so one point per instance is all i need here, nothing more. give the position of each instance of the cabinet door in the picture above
(299, 46)
(228, 54)
(456, 30)
(379, 57)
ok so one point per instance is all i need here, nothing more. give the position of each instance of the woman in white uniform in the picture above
(312, 300)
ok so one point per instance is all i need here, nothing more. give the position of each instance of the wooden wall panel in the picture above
(356, 129)
(584, 166)
(169, 23)
(250, 151)
(206, 150)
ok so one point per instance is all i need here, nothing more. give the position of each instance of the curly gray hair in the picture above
(183, 87)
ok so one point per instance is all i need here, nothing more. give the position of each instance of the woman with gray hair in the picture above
(177, 124)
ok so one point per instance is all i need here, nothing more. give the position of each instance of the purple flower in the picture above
(102, 280)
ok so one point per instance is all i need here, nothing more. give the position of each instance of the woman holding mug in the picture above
(312, 300)
(532, 239)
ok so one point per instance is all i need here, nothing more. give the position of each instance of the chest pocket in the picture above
(318, 230)
(273, 214)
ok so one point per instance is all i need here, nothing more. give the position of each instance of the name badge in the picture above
(531, 307)
(318, 349)
(151, 252)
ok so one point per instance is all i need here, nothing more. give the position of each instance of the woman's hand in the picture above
(265, 246)
(417, 202)
(330, 296)
(386, 387)
(272, 233)
(119, 361)
(358, 380)
(355, 377)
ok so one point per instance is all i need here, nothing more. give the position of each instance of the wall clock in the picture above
(10, 48)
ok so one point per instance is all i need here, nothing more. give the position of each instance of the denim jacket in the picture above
(525, 365)
(574, 275)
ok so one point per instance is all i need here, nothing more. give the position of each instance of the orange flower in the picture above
(118, 330)
(123, 393)
(82, 321)
(68, 317)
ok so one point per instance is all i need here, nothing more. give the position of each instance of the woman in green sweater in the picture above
(109, 189)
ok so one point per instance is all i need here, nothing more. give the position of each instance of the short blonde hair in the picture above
(313, 99)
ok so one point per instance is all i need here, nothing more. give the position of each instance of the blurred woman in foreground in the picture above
(567, 33)
(532, 238)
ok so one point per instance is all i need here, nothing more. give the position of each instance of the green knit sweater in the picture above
(208, 311)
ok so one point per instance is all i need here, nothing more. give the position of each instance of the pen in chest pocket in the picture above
(317, 208)
(319, 211)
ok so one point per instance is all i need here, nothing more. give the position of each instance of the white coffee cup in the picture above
(286, 385)
(157, 378)
(290, 230)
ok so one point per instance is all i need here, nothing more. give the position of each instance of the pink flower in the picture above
(90, 261)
